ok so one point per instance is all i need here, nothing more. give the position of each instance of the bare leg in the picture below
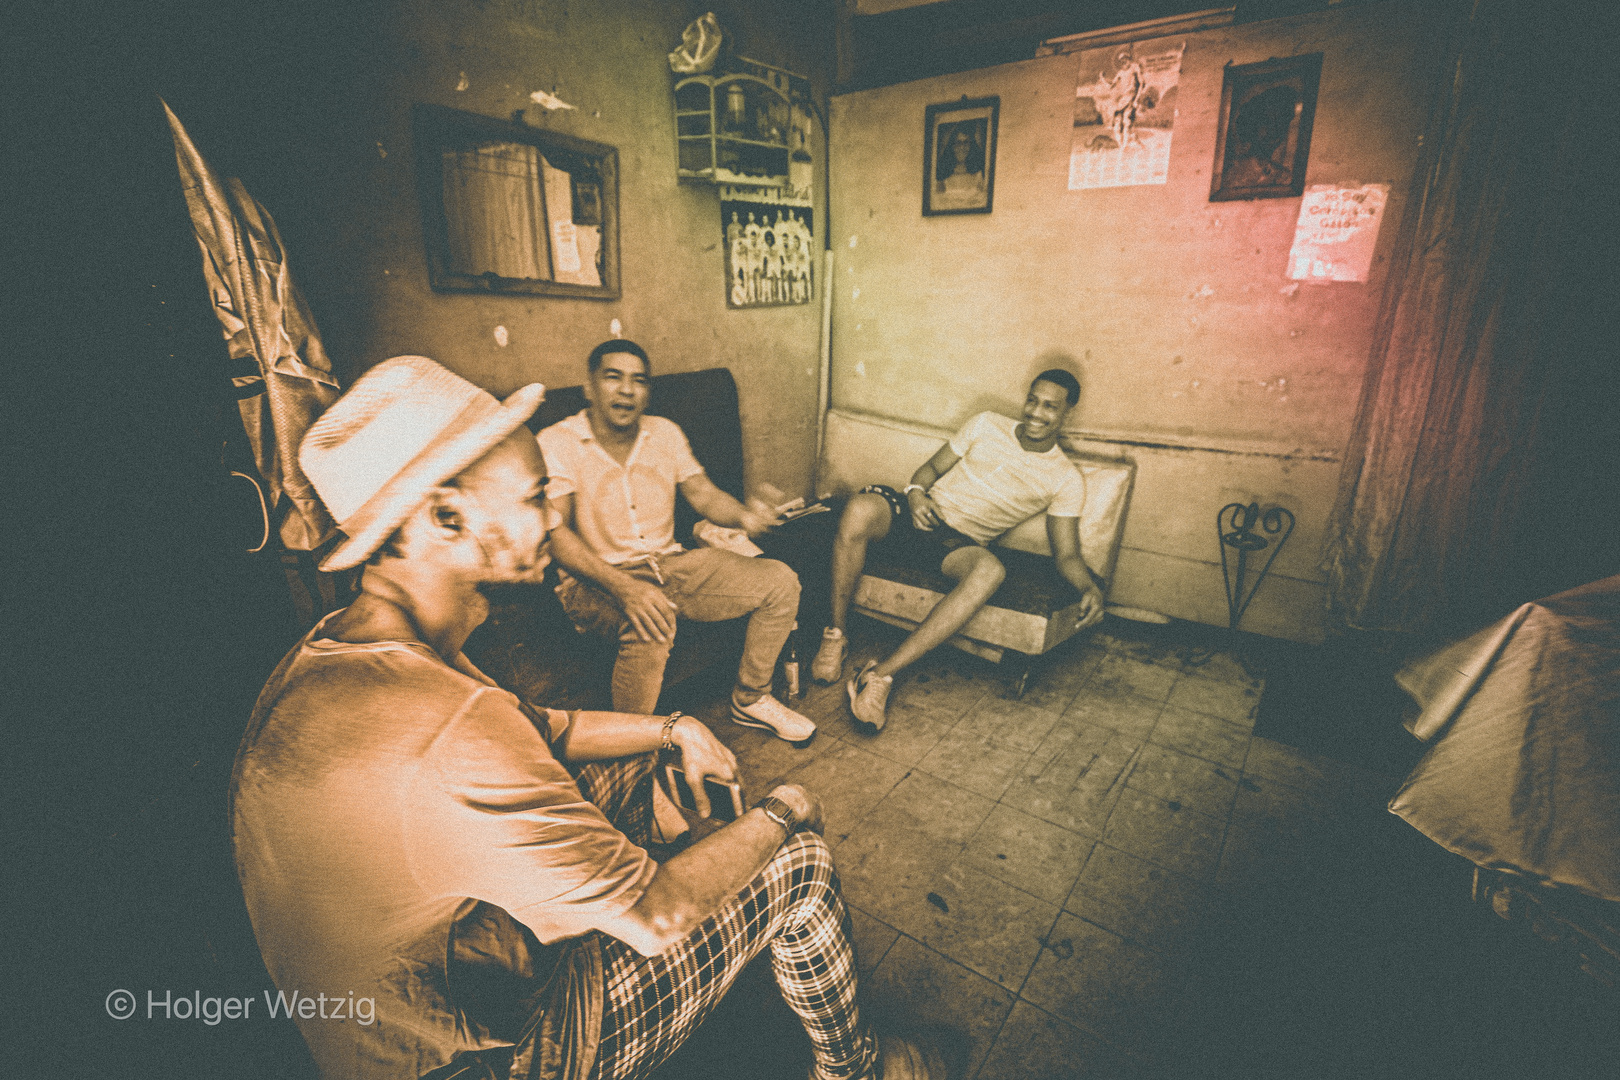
(866, 518)
(978, 575)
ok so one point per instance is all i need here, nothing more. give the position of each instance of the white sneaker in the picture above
(869, 699)
(773, 716)
(829, 662)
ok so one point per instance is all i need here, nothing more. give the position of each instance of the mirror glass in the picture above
(508, 208)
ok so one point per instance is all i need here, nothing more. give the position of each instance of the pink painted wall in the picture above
(1176, 311)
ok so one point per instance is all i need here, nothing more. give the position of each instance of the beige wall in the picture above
(1175, 311)
(367, 277)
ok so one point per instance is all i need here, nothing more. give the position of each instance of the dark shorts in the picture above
(910, 546)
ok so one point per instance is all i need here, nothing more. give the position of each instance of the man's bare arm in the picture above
(599, 736)
(1063, 533)
(708, 500)
(648, 609)
(697, 882)
(925, 513)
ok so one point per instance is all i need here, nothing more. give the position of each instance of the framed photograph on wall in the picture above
(1264, 135)
(959, 156)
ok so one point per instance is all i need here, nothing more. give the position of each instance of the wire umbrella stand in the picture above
(1236, 524)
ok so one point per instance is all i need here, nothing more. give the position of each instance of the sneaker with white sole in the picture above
(773, 716)
(828, 666)
(869, 699)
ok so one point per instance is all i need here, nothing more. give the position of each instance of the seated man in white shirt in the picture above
(614, 472)
(993, 474)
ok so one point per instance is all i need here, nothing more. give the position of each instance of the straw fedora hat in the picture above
(406, 426)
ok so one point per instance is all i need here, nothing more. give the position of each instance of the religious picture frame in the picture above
(959, 156)
(1263, 136)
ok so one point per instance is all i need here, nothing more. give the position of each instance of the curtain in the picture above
(282, 375)
(1429, 530)
(495, 212)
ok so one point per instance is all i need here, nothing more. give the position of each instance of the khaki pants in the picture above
(708, 585)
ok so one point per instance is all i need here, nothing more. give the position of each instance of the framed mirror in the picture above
(507, 208)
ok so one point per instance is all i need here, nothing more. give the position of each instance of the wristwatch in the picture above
(779, 812)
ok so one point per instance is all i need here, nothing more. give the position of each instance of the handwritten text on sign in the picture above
(1337, 231)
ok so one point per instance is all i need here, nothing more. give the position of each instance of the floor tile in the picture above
(1106, 985)
(1117, 676)
(1280, 804)
(849, 781)
(763, 758)
(1028, 853)
(1160, 653)
(1058, 678)
(1286, 765)
(1202, 736)
(827, 707)
(1229, 701)
(872, 938)
(1145, 904)
(929, 806)
(1184, 781)
(1035, 1045)
(1128, 714)
(1011, 723)
(884, 868)
(1220, 665)
(943, 690)
(979, 762)
(1182, 840)
(908, 735)
(982, 923)
(917, 987)
(1074, 778)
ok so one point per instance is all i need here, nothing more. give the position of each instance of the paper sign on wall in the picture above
(565, 245)
(1336, 233)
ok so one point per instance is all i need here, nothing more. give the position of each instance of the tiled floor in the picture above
(1038, 873)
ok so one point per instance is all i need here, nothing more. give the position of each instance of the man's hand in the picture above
(758, 517)
(805, 806)
(925, 513)
(1091, 607)
(702, 756)
(648, 609)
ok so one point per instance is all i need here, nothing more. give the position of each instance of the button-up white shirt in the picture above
(623, 512)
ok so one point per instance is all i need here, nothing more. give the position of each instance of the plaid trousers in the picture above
(653, 1003)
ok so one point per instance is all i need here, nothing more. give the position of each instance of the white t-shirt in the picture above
(622, 511)
(999, 484)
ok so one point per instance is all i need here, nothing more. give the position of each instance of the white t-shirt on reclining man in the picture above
(999, 484)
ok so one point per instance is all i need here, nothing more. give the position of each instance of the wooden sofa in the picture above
(1035, 609)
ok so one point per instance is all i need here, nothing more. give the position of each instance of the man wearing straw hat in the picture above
(445, 882)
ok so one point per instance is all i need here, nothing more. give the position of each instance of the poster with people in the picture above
(768, 238)
(1124, 114)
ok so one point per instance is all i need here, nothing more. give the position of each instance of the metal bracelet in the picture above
(667, 741)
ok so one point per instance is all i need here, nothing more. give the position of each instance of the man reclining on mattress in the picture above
(993, 474)
(445, 873)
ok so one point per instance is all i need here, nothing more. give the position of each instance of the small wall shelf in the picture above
(749, 125)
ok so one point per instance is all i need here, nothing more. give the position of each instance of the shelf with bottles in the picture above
(746, 126)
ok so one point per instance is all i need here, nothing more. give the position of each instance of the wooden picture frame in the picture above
(959, 156)
(512, 209)
(1263, 139)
